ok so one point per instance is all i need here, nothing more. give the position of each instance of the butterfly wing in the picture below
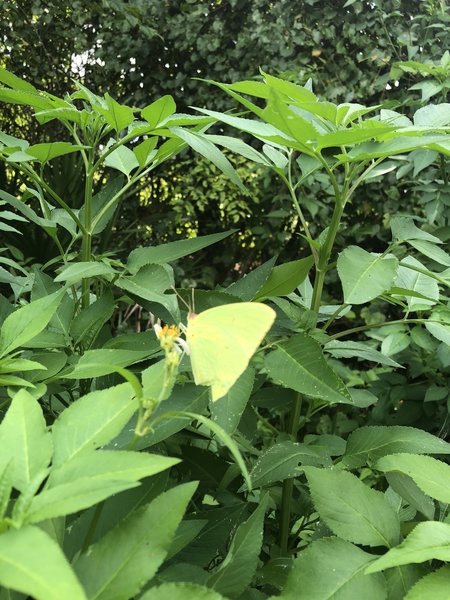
(222, 341)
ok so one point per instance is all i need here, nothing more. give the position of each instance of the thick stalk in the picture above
(86, 244)
(325, 254)
(288, 484)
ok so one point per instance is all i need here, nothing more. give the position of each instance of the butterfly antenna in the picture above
(181, 298)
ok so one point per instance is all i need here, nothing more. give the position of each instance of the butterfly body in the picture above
(222, 341)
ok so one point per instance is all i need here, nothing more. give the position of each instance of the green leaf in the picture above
(181, 591)
(285, 278)
(145, 151)
(128, 556)
(351, 509)
(238, 567)
(404, 229)
(27, 98)
(72, 497)
(239, 147)
(87, 323)
(156, 112)
(92, 421)
(368, 444)
(299, 364)
(227, 411)
(97, 363)
(27, 322)
(25, 442)
(405, 487)
(101, 198)
(165, 253)
(84, 270)
(332, 568)
(281, 462)
(364, 275)
(428, 540)
(248, 286)
(435, 585)
(32, 563)
(359, 350)
(439, 331)
(46, 152)
(420, 283)
(46, 224)
(203, 146)
(108, 466)
(123, 159)
(433, 115)
(118, 116)
(431, 475)
(432, 251)
(15, 82)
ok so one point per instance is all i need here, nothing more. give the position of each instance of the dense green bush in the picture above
(179, 465)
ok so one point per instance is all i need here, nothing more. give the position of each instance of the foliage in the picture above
(322, 453)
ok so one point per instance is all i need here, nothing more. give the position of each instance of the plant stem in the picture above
(288, 484)
(325, 254)
(86, 245)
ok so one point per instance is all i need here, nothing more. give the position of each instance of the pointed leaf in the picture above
(227, 411)
(364, 275)
(25, 442)
(364, 516)
(428, 540)
(156, 112)
(368, 444)
(332, 568)
(285, 278)
(123, 159)
(299, 364)
(32, 563)
(181, 591)
(435, 585)
(122, 562)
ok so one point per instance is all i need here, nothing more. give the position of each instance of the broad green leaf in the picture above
(84, 270)
(73, 497)
(181, 591)
(150, 279)
(392, 147)
(359, 350)
(428, 540)
(351, 509)
(227, 411)
(368, 444)
(96, 363)
(203, 146)
(400, 579)
(394, 343)
(109, 465)
(92, 421)
(46, 152)
(404, 229)
(436, 585)
(32, 563)
(248, 286)
(332, 568)
(28, 212)
(123, 159)
(145, 151)
(27, 322)
(405, 487)
(439, 331)
(364, 275)
(118, 116)
(24, 439)
(285, 278)
(122, 562)
(431, 475)
(433, 115)
(238, 567)
(156, 112)
(432, 251)
(420, 283)
(15, 82)
(289, 89)
(87, 323)
(165, 253)
(353, 135)
(64, 113)
(299, 364)
(281, 462)
(25, 97)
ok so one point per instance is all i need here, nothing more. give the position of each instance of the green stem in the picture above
(288, 484)
(325, 254)
(86, 245)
